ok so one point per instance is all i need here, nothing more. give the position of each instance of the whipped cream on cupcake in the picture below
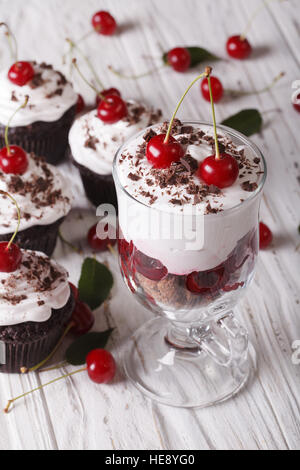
(94, 143)
(33, 290)
(42, 193)
(50, 96)
(179, 192)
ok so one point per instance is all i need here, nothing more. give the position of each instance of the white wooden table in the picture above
(77, 414)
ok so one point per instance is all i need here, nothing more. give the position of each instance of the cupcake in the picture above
(44, 198)
(93, 145)
(36, 304)
(42, 126)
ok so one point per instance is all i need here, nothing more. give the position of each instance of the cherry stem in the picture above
(4, 193)
(204, 74)
(86, 35)
(57, 366)
(258, 92)
(10, 402)
(209, 70)
(24, 370)
(135, 77)
(8, 124)
(85, 58)
(69, 244)
(111, 249)
(74, 62)
(10, 36)
(253, 16)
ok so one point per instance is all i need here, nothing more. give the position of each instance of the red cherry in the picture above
(238, 48)
(202, 282)
(10, 259)
(104, 23)
(216, 89)
(16, 163)
(83, 319)
(97, 243)
(21, 73)
(74, 290)
(265, 236)
(80, 104)
(109, 91)
(112, 109)
(161, 154)
(179, 59)
(221, 172)
(151, 268)
(297, 106)
(101, 366)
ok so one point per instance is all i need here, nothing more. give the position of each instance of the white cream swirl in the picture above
(94, 143)
(49, 98)
(33, 290)
(42, 193)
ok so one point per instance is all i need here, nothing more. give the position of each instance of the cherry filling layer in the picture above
(150, 275)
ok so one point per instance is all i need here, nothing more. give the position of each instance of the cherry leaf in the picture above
(95, 283)
(247, 121)
(77, 352)
(198, 55)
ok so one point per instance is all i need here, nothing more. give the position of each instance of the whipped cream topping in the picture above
(94, 143)
(42, 193)
(174, 217)
(179, 186)
(50, 96)
(33, 290)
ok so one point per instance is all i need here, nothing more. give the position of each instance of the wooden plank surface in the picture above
(76, 414)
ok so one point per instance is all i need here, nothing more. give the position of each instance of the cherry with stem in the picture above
(179, 58)
(237, 46)
(10, 253)
(163, 149)
(13, 159)
(220, 169)
(112, 108)
(100, 366)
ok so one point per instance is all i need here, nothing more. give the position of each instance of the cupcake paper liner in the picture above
(37, 238)
(27, 344)
(100, 189)
(45, 139)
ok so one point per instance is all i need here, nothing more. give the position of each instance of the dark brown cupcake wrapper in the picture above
(100, 189)
(37, 238)
(27, 353)
(45, 139)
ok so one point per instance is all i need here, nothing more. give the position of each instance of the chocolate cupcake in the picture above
(36, 304)
(44, 198)
(93, 145)
(42, 127)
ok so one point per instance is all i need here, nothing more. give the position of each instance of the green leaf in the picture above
(198, 55)
(247, 121)
(77, 352)
(95, 283)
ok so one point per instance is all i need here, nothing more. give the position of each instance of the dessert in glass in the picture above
(189, 196)
(195, 353)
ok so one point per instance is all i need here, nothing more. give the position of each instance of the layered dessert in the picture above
(43, 125)
(36, 303)
(94, 143)
(44, 198)
(185, 245)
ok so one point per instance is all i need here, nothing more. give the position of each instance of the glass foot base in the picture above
(181, 377)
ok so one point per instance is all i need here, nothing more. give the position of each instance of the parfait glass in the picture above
(190, 270)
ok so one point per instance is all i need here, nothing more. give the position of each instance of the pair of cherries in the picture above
(221, 172)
